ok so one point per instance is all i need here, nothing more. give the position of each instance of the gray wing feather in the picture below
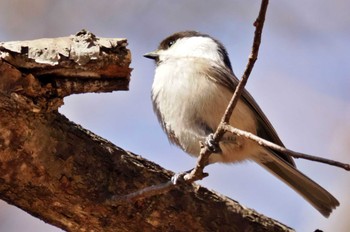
(279, 164)
(227, 78)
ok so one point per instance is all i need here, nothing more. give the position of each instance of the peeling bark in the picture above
(50, 69)
(63, 174)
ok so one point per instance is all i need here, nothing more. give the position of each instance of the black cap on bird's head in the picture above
(172, 39)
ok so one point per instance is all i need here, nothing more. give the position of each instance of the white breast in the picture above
(185, 97)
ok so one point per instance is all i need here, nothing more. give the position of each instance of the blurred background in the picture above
(301, 81)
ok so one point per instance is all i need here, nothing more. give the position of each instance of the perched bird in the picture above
(192, 87)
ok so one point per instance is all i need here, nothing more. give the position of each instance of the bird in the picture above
(192, 86)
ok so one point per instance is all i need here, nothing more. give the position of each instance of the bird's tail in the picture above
(317, 196)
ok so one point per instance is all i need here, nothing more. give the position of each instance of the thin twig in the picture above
(202, 161)
(266, 143)
(197, 173)
(259, 23)
(142, 193)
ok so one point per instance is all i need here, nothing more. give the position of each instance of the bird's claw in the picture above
(211, 144)
(178, 177)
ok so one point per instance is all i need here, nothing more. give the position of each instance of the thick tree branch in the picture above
(55, 68)
(65, 175)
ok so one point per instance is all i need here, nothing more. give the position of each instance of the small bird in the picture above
(192, 87)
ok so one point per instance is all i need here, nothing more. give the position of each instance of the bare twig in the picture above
(197, 173)
(142, 193)
(265, 143)
(202, 161)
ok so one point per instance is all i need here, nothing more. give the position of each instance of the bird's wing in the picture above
(227, 78)
(279, 164)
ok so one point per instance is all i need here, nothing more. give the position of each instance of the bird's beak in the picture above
(152, 55)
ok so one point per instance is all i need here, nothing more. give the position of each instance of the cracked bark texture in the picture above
(63, 174)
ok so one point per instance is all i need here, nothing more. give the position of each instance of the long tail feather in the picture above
(317, 196)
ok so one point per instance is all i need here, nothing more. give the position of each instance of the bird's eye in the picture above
(170, 43)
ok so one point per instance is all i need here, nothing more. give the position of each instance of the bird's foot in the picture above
(212, 145)
(179, 177)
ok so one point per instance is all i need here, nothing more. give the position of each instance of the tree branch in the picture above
(55, 68)
(266, 143)
(65, 175)
(197, 173)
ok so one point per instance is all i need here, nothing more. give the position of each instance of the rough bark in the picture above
(63, 174)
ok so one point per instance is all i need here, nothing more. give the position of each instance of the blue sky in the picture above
(301, 81)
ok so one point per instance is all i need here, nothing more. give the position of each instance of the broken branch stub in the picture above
(39, 73)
